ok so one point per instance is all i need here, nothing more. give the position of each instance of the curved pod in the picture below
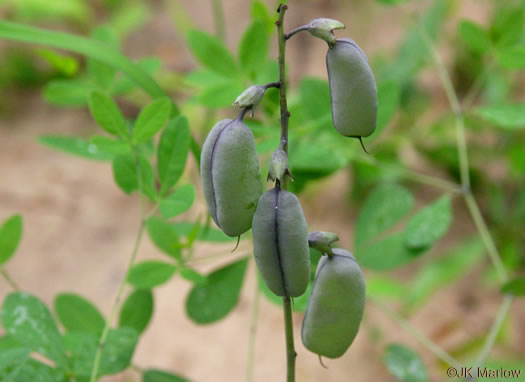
(353, 89)
(230, 176)
(280, 243)
(335, 306)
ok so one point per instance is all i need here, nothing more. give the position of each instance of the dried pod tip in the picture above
(279, 166)
(323, 28)
(250, 98)
(322, 241)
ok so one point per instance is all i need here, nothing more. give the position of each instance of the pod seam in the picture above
(276, 225)
(211, 171)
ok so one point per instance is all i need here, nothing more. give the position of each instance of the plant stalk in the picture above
(8, 279)
(218, 16)
(417, 334)
(285, 115)
(493, 333)
(472, 205)
(134, 252)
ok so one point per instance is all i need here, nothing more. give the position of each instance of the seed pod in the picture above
(352, 89)
(230, 176)
(335, 306)
(280, 243)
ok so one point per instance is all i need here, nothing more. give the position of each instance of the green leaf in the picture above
(137, 310)
(212, 301)
(75, 146)
(315, 97)
(150, 273)
(102, 73)
(507, 116)
(35, 371)
(178, 202)
(109, 145)
(474, 36)
(88, 47)
(64, 64)
(172, 152)
(253, 48)
(514, 287)
(512, 57)
(221, 94)
(126, 177)
(74, 92)
(443, 271)
(383, 286)
(209, 234)
(165, 236)
(11, 362)
(152, 375)
(151, 119)
(116, 354)
(211, 52)
(413, 51)
(507, 25)
(10, 235)
(107, 114)
(193, 276)
(388, 93)
(29, 322)
(203, 78)
(404, 364)
(77, 314)
(261, 13)
(385, 254)
(385, 206)
(429, 224)
(150, 65)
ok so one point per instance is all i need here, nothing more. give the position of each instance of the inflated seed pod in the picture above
(280, 243)
(353, 89)
(335, 306)
(230, 176)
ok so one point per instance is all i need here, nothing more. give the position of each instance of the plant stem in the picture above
(253, 331)
(416, 333)
(285, 115)
(471, 201)
(463, 161)
(218, 17)
(8, 279)
(105, 332)
(134, 252)
(290, 348)
(486, 237)
(456, 108)
(294, 31)
(493, 333)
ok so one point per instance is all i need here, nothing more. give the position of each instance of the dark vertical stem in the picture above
(290, 347)
(285, 115)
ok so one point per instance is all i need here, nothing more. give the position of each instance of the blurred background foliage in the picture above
(415, 134)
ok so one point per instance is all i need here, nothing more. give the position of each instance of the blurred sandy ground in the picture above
(79, 228)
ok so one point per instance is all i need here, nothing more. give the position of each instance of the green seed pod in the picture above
(230, 176)
(352, 89)
(280, 243)
(335, 306)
